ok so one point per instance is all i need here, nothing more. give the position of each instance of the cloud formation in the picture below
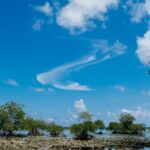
(138, 10)
(103, 51)
(139, 113)
(80, 105)
(38, 25)
(120, 88)
(41, 90)
(11, 82)
(143, 48)
(38, 90)
(146, 93)
(45, 9)
(80, 14)
(147, 5)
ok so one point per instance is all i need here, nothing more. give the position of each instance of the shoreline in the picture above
(50, 143)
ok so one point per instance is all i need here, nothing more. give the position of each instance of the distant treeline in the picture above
(13, 119)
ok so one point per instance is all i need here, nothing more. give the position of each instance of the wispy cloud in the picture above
(41, 90)
(146, 93)
(138, 9)
(38, 90)
(50, 90)
(103, 51)
(11, 82)
(140, 113)
(50, 119)
(120, 88)
(38, 24)
(80, 105)
(45, 9)
(147, 5)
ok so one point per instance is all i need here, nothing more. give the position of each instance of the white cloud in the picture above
(75, 116)
(11, 82)
(38, 25)
(80, 105)
(116, 49)
(80, 14)
(39, 90)
(103, 51)
(113, 116)
(49, 119)
(147, 93)
(120, 88)
(147, 5)
(45, 9)
(50, 90)
(143, 48)
(72, 86)
(138, 10)
(54, 76)
(139, 113)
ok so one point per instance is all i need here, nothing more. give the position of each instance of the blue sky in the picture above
(59, 58)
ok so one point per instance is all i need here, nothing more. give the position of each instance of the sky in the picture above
(62, 57)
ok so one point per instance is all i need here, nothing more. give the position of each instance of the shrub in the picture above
(54, 129)
(115, 127)
(126, 125)
(137, 128)
(34, 126)
(99, 124)
(126, 119)
(81, 130)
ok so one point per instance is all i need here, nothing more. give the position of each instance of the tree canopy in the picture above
(126, 125)
(34, 126)
(54, 129)
(81, 130)
(99, 124)
(11, 117)
(85, 116)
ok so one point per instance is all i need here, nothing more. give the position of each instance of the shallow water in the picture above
(108, 134)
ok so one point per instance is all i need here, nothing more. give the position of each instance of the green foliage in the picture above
(99, 124)
(85, 116)
(81, 130)
(137, 128)
(34, 126)
(115, 127)
(126, 125)
(54, 129)
(11, 118)
(126, 120)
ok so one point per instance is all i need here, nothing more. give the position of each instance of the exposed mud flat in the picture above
(41, 143)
